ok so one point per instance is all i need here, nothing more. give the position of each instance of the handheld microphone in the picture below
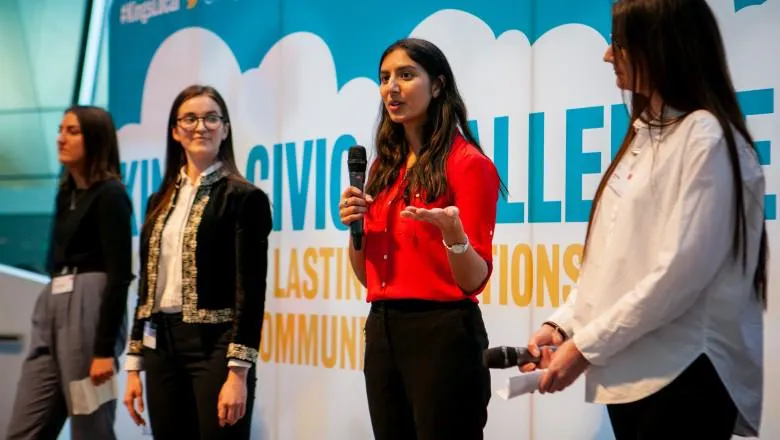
(356, 163)
(507, 357)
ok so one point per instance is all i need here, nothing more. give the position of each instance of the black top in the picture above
(224, 258)
(92, 233)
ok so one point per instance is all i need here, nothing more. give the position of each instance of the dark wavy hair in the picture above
(676, 51)
(445, 114)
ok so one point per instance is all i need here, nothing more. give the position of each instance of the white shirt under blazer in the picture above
(660, 285)
(168, 298)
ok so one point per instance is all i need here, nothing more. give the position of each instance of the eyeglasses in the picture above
(190, 122)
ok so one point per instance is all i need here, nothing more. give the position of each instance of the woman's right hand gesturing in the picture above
(353, 205)
(135, 394)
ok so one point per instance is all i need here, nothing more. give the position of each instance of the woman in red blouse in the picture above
(429, 211)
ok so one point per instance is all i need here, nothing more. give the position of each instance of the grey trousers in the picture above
(61, 351)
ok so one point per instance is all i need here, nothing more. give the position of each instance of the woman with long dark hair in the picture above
(79, 322)
(201, 295)
(429, 209)
(667, 318)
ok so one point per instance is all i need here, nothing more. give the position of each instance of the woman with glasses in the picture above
(201, 292)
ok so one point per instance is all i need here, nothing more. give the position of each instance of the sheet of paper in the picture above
(523, 383)
(86, 398)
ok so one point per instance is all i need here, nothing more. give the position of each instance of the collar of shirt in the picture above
(657, 128)
(667, 113)
(185, 179)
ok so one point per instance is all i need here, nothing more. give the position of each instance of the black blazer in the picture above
(224, 261)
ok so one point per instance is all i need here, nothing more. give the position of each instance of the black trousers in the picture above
(694, 405)
(425, 379)
(184, 375)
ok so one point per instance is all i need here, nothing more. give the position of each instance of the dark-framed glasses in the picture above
(190, 122)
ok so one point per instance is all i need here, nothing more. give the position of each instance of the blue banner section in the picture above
(304, 173)
(355, 31)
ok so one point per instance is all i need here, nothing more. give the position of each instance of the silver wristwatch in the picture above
(457, 248)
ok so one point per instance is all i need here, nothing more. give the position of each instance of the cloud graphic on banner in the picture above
(295, 87)
(503, 79)
(189, 56)
(749, 38)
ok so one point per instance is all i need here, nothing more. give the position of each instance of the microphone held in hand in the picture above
(356, 163)
(507, 357)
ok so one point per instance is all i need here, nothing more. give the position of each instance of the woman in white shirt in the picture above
(667, 318)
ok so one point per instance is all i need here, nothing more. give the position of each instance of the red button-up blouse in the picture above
(405, 259)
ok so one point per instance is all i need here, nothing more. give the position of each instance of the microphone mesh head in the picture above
(356, 159)
(499, 357)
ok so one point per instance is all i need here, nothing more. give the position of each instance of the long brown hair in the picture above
(676, 51)
(101, 148)
(445, 114)
(174, 151)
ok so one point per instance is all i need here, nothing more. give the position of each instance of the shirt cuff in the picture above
(562, 317)
(241, 352)
(239, 363)
(134, 363)
(587, 342)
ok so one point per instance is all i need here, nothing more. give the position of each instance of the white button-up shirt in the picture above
(167, 296)
(660, 285)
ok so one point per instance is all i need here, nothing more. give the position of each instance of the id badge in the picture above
(62, 284)
(150, 335)
(619, 179)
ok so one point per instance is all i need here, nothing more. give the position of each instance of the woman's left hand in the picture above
(446, 219)
(231, 405)
(566, 366)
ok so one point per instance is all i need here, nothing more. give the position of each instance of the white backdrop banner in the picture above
(301, 81)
